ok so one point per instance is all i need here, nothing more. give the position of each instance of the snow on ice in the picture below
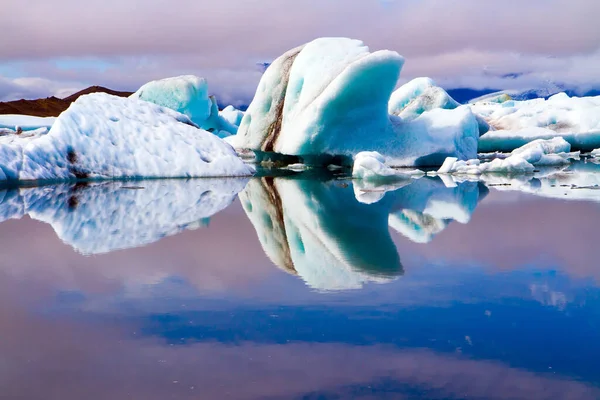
(104, 137)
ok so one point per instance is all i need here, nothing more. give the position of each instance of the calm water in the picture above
(300, 289)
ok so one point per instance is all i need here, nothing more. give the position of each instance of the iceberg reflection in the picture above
(325, 231)
(109, 216)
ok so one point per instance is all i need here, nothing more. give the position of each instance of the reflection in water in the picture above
(329, 235)
(576, 181)
(505, 307)
(109, 216)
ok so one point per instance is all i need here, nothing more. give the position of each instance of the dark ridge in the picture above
(51, 106)
(48, 107)
(96, 89)
(275, 127)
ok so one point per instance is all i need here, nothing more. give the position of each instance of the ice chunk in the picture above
(232, 115)
(331, 97)
(370, 165)
(304, 228)
(539, 152)
(109, 216)
(515, 123)
(25, 122)
(187, 94)
(102, 137)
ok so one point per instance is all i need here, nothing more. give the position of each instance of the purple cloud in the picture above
(455, 44)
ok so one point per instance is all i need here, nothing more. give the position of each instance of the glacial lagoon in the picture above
(303, 285)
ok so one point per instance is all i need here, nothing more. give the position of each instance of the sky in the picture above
(59, 47)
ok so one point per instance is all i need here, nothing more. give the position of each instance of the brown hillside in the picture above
(96, 89)
(51, 106)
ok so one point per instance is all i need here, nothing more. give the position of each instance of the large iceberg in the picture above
(108, 216)
(515, 123)
(104, 137)
(188, 95)
(331, 97)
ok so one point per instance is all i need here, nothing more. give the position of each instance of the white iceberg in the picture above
(109, 216)
(104, 137)
(525, 159)
(370, 165)
(515, 123)
(12, 122)
(331, 97)
(188, 95)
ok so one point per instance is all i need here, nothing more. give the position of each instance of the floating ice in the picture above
(11, 122)
(102, 137)
(525, 159)
(331, 96)
(370, 165)
(515, 123)
(109, 216)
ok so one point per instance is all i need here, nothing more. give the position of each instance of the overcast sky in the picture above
(58, 47)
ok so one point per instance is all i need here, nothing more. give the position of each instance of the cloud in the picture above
(454, 43)
(33, 87)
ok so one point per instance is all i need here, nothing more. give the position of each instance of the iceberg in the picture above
(515, 123)
(106, 137)
(417, 96)
(525, 159)
(370, 165)
(188, 95)
(232, 115)
(305, 229)
(331, 97)
(14, 122)
(108, 216)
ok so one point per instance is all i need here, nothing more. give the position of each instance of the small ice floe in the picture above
(370, 166)
(525, 159)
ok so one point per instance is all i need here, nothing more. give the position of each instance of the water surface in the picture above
(302, 287)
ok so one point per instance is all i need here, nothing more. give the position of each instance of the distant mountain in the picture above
(96, 89)
(51, 106)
